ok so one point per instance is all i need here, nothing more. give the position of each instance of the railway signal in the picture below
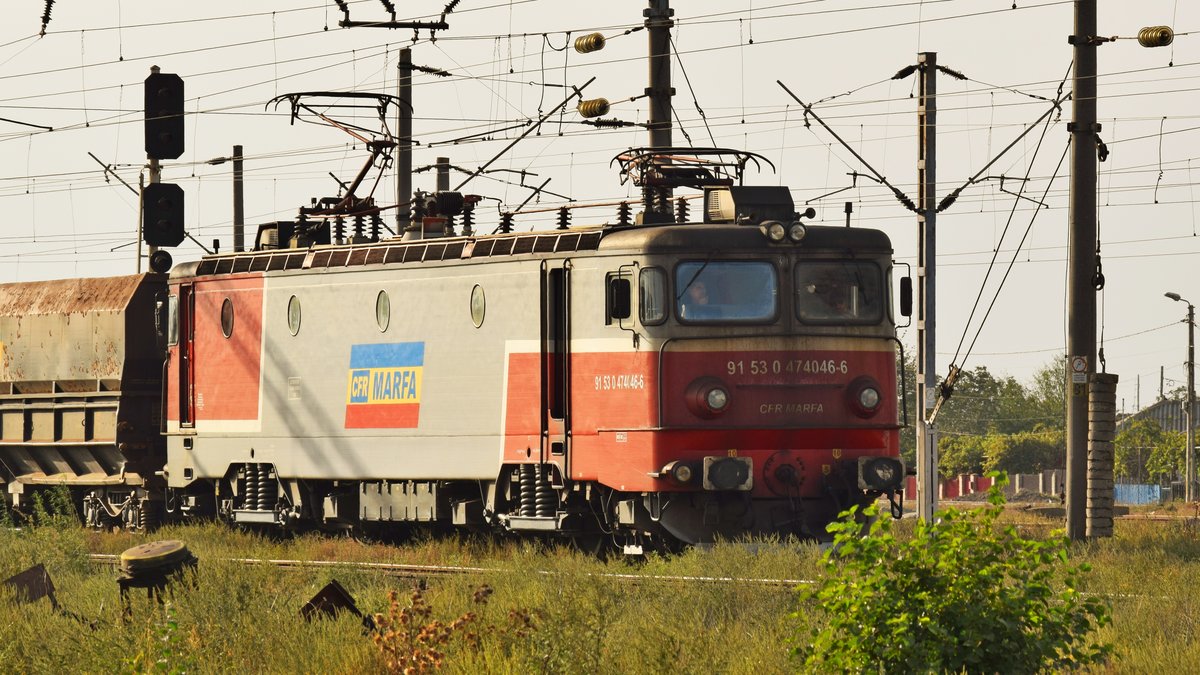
(162, 214)
(164, 115)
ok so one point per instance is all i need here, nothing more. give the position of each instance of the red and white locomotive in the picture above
(645, 383)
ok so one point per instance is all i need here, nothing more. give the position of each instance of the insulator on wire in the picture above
(593, 107)
(592, 42)
(624, 214)
(1156, 36)
(376, 227)
(468, 219)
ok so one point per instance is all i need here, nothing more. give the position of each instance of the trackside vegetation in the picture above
(530, 608)
(962, 594)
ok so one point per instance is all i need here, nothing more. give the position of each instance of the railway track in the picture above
(410, 571)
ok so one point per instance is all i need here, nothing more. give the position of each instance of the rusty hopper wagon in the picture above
(81, 394)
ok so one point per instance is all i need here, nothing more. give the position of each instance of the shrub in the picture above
(962, 595)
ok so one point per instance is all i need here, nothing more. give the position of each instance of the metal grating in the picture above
(568, 242)
(414, 252)
(435, 252)
(523, 245)
(403, 252)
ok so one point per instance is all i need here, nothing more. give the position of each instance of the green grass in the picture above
(231, 617)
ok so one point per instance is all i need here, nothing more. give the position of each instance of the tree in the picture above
(1048, 392)
(1133, 447)
(960, 454)
(1167, 460)
(962, 595)
(1026, 451)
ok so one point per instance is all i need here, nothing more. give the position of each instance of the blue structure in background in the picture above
(1135, 494)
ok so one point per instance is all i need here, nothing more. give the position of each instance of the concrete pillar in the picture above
(1102, 428)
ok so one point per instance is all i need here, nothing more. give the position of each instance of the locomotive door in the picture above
(556, 375)
(187, 355)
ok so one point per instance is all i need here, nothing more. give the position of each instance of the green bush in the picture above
(962, 595)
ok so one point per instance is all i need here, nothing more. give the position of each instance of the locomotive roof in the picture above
(644, 238)
(694, 237)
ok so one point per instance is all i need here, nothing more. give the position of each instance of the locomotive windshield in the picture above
(725, 291)
(839, 292)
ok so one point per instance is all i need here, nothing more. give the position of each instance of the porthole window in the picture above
(383, 310)
(478, 305)
(293, 315)
(227, 317)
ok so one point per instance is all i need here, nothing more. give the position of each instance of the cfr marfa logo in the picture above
(383, 390)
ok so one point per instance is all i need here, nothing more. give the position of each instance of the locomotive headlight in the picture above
(869, 398)
(708, 397)
(679, 471)
(717, 398)
(863, 397)
(774, 230)
(796, 232)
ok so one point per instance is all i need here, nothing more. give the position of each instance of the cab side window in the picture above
(652, 295)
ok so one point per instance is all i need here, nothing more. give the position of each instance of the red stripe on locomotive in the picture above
(382, 415)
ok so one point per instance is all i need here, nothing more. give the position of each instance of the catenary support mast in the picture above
(927, 460)
(1081, 294)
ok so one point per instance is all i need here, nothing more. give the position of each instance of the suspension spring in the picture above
(250, 488)
(268, 489)
(544, 493)
(528, 477)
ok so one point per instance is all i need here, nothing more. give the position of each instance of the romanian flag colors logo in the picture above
(384, 388)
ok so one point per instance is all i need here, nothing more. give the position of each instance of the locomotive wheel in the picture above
(592, 544)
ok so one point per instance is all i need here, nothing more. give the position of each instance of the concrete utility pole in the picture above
(658, 27)
(239, 211)
(1081, 294)
(404, 160)
(927, 460)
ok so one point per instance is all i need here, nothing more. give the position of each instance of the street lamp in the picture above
(1191, 393)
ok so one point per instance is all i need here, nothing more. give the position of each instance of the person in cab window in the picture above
(826, 298)
(694, 299)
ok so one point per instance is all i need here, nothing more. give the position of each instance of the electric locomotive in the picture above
(651, 382)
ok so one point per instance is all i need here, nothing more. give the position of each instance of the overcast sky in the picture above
(84, 79)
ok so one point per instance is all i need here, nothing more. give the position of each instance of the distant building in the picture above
(1167, 412)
